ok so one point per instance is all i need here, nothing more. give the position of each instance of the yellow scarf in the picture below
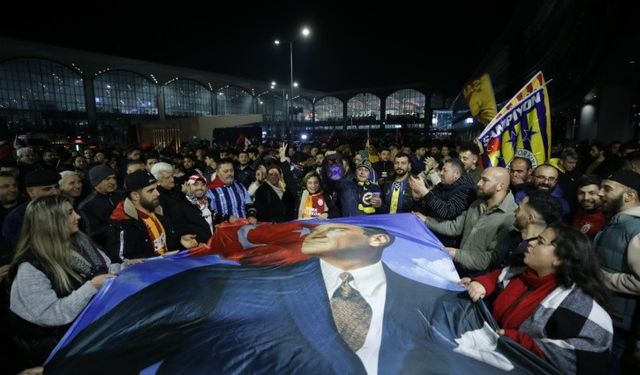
(156, 232)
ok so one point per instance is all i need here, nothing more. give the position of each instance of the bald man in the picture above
(483, 225)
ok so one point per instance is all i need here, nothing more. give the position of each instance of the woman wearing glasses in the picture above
(554, 305)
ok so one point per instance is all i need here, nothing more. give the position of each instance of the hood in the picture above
(635, 211)
(216, 183)
(125, 210)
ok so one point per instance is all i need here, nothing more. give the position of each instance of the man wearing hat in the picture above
(358, 195)
(39, 183)
(190, 213)
(618, 249)
(97, 206)
(137, 228)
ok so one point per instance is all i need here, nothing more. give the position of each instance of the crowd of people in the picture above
(554, 247)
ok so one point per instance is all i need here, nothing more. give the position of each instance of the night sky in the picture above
(397, 43)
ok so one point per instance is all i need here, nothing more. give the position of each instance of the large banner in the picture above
(308, 297)
(521, 129)
(480, 98)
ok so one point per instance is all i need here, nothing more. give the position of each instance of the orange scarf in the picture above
(156, 232)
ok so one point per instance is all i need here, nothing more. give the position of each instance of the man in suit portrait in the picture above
(341, 311)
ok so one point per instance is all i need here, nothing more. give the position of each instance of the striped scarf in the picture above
(156, 232)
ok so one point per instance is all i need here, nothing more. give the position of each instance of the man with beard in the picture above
(520, 170)
(536, 211)
(483, 225)
(397, 193)
(545, 177)
(589, 218)
(190, 213)
(80, 166)
(618, 249)
(384, 168)
(137, 228)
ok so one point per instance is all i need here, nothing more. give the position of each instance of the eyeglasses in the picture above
(548, 179)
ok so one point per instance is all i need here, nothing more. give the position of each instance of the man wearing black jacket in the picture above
(138, 228)
(191, 214)
(97, 206)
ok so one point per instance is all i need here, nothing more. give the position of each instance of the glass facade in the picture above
(364, 106)
(442, 120)
(405, 104)
(124, 92)
(233, 100)
(437, 102)
(302, 109)
(330, 109)
(40, 85)
(45, 95)
(271, 106)
(187, 98)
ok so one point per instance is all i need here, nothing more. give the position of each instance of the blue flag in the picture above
(186, 314)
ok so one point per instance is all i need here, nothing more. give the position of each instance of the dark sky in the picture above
(350, 48)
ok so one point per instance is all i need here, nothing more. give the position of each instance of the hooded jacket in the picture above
(128, 237)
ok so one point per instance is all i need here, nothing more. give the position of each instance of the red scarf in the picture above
(217, 182)
(521, 297)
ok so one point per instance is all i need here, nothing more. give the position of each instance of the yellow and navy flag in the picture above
(479, 96)
(522, 128)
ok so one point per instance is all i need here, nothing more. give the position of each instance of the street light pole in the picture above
(290, 85)
(305, 33)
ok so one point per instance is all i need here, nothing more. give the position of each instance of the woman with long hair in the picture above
(55, 272)
(261, 173)
(312, 201)
(554, 305)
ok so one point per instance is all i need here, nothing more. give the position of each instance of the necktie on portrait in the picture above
(351, 313)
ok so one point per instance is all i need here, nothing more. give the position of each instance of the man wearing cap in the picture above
(618, 249)
(358, 195)
(137, 228)
(190, 213)
(39, 183)
(97, 206)
(397, 193)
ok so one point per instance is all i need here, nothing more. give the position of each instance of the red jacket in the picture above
(588, 222)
